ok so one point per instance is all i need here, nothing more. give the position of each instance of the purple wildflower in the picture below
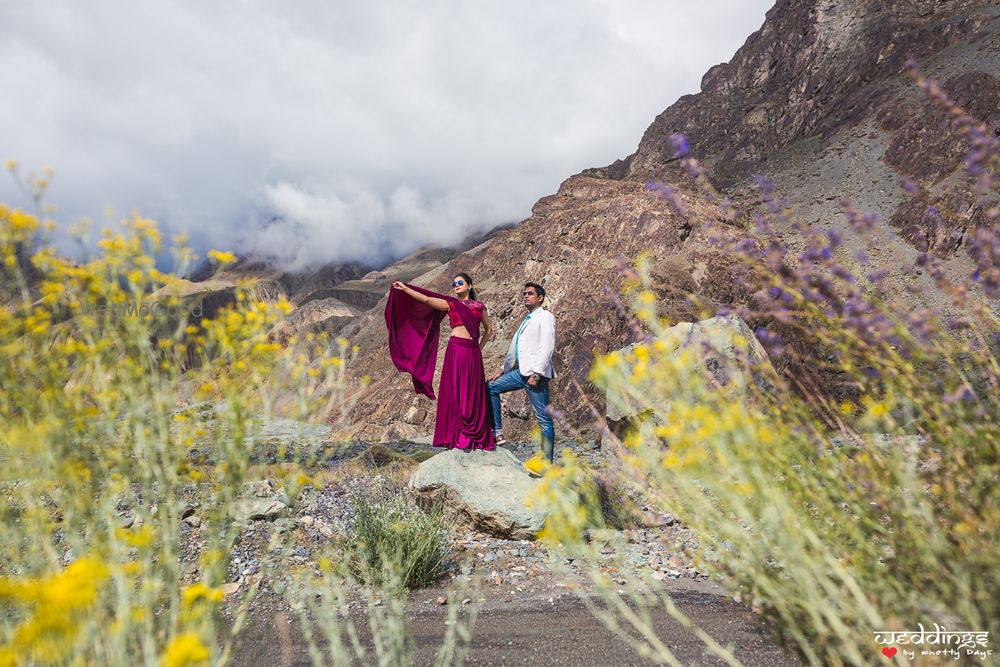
(816, 254)
(747, 247)
(671, 195)
(843, 273)
(877, 276)
(963, 393)
(693, 168)
(771, 341)
(680, 144)
(764, 184)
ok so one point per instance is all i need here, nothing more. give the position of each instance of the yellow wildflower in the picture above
(200, 591)
(537, 465)
(138, 538)
(222, 257)
(21, 221)
(186, 649)
(877, 409)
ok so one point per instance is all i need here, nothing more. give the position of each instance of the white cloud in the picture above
(368, 128)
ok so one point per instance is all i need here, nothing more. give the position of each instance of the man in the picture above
(528, 366)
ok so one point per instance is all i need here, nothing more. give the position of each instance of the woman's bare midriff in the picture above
(461, 332)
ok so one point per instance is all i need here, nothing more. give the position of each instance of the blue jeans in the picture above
(539, 397)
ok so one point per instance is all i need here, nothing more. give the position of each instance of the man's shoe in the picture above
(537, 465)
(502, 442)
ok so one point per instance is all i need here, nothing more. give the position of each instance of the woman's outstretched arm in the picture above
(433, 302)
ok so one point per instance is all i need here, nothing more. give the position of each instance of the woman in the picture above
(413, 316)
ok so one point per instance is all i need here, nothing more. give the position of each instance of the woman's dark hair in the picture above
(468, 281)
(539, 290)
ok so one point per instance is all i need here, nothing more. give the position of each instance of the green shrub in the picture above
(388, 537)
(618, 508)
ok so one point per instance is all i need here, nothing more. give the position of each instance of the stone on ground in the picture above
(250, 509)
(484, 490)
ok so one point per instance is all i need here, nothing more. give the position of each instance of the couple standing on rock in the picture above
(468, 409)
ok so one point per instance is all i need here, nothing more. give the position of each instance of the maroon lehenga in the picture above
(463, 407)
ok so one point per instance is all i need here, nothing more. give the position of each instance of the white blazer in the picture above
(535, 345)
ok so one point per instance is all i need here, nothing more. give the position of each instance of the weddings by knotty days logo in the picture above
(939, 642)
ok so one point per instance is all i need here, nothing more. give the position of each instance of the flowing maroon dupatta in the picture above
(414, 332)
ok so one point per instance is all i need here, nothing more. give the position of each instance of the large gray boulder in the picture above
(727, 351)
(259, 500)
(484, 490)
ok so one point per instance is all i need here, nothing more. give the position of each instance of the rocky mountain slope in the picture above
(817, 100)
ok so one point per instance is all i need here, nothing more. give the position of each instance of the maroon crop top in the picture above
(455, 321)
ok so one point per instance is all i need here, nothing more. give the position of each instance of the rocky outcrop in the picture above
(260, 500)
(320, 316)
(484, 490)
(727, 353)
(215, 293)
(822, 79)
(359, 294)
(303, 286)
(815, 69)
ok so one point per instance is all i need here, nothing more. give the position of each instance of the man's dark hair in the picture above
(538, 289)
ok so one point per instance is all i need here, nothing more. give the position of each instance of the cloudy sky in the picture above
(325, 130)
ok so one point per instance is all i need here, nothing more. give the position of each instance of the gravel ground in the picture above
(518, 579)
(295, 536)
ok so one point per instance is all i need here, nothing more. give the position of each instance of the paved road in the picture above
(539, 632)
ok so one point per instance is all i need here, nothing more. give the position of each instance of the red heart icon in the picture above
(889, 652)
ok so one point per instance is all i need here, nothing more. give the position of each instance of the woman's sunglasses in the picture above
(456, 283)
